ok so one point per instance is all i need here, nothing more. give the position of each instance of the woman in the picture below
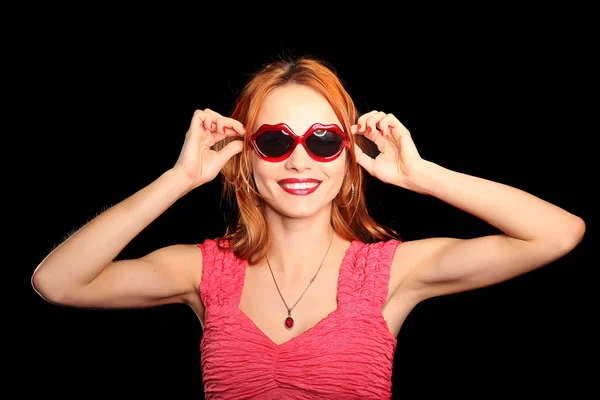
(304, 297)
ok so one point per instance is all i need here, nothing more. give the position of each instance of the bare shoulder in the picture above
(180, 253)
(185, 258)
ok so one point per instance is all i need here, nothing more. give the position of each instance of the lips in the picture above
(299, 187)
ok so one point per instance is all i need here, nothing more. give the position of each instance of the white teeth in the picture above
(300, 186)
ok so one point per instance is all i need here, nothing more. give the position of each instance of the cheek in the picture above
(261, 170)
(337, 171)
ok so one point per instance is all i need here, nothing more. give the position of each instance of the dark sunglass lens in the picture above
(324, 143)
(274, 143)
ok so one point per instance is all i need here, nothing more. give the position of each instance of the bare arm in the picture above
(535, 233)
(82, 270)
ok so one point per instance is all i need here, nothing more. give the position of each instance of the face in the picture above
(299, 185)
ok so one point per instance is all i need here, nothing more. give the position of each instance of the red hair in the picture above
(248, 236)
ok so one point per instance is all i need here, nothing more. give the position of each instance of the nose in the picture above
(299, 159)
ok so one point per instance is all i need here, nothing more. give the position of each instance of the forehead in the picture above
(297, 106)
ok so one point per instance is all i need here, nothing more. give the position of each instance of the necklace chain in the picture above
(311, 281)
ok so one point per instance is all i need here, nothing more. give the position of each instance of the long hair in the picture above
(248, 236)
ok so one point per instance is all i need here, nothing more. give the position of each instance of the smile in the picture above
(299, 187)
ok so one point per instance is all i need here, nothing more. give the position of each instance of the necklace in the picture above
(289, 321)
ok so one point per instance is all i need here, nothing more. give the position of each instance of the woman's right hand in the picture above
(197, 158)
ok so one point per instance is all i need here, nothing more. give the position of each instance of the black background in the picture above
(107, 99)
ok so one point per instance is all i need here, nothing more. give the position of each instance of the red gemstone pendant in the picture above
(289, 322)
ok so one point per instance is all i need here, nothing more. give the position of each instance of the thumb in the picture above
(230, 149)
(363, 159)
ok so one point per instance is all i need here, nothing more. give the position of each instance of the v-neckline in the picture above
(312, 328)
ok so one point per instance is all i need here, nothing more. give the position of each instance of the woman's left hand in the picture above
(398, 155)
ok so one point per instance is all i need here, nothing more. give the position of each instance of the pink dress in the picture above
(347, 355)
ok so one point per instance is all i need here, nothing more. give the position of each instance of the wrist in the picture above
(423, 177)
(179, 180)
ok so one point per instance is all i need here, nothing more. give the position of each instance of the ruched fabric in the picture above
(347, 355)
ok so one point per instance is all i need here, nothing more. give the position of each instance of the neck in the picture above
(298, 246)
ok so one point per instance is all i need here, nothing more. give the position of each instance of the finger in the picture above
(209, 123)
(398, 130)
(211, 120)
(387, 122)
(197, 128)
(361, 122)
(219, 125)
(372, 121)
(211, 112)
(234, 127)
(374, 136)
(198, 119)
(363, 159)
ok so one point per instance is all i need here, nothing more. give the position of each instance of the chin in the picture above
(301, 210)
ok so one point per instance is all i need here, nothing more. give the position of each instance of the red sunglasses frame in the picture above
(299, 140)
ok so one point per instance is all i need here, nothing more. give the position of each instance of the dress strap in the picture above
(365, 272)
(222, 275)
